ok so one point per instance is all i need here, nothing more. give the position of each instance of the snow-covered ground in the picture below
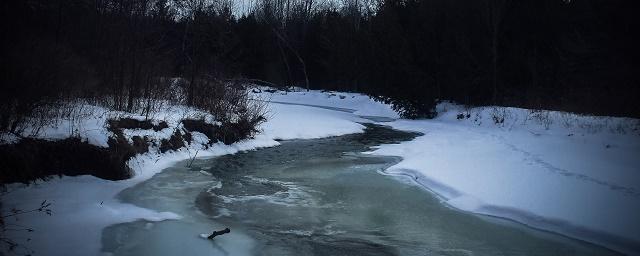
(578, 176)
(355, 103)
(575, 175)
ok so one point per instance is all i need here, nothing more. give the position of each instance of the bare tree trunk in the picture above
(494, 67)
(133, 79)
(494, 17)
(286, 63)
(295, 52)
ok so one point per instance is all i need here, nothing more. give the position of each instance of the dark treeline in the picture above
(578, 56)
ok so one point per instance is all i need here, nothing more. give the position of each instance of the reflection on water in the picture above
(315, 197)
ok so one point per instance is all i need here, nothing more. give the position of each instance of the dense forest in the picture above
(580, 56)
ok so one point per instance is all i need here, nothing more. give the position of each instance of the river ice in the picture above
(315, 197)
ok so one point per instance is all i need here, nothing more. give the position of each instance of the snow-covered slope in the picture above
(576, 175)
(88, 123)
(356, 103)
(303, 122)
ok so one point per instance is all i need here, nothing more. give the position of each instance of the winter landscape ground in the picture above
(566, 173)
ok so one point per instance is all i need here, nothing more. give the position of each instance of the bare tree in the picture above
(494, 12)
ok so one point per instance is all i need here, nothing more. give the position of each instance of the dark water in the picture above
(315, 197)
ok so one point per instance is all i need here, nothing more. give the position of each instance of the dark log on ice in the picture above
(217, 233)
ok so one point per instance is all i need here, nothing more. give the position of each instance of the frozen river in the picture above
(315, 197)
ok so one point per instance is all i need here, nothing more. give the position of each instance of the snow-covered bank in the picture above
(303, 122)
(83, 206)
(575, 175)
(356, 103)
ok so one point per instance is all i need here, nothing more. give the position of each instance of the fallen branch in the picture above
(193, 158)
(218, 233)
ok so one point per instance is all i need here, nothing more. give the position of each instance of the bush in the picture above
(175, 142)
(230, 103)
(130, 123)
(498, 115)
(32, 159)
(541, 117)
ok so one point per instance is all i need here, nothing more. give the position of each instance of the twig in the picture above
(193, 158)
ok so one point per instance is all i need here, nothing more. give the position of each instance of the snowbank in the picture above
(303, 122)
(576, 175)
(88, 123)
(82, 206)
(356, 103)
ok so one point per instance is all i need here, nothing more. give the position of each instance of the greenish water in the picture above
(315, 197)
